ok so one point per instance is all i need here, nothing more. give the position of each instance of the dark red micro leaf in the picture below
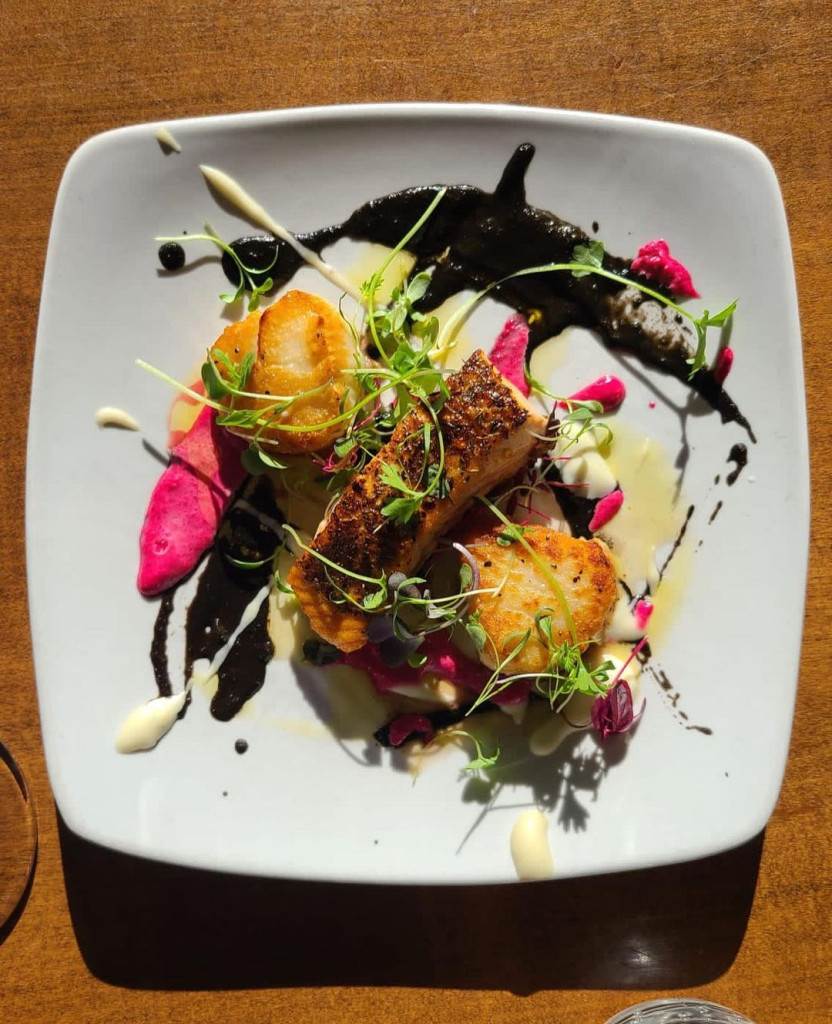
(613, 712)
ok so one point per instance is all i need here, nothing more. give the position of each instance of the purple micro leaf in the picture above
(613, 712)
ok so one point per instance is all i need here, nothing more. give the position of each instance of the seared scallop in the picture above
(585, 578)
(300, 344)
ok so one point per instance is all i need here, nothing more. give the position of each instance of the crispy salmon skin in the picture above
(488, 429)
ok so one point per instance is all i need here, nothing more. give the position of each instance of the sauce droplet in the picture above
(642, 612)
(166, 140)
(172, 256)
(739, 456)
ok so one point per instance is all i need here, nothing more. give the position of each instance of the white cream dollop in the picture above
(581, 460)
(110, 416)
(548, 736)
(530, 847)
(148, 723)
(165, 136)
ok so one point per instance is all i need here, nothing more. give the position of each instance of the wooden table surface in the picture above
(106, 938)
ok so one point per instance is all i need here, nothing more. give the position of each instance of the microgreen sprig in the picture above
(246, 274)
(580, 412)
(387, 325)
(588, 259)
(482, 761)
(401, 510)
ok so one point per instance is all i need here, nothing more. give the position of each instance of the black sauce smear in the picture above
(739, 456)
(677, 543)
(223, 592)
(577, 510)
(475, 238)
(672, 697)
(159, 645)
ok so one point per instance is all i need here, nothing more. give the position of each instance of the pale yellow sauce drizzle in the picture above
(465, 341)
(110, 416)
(165, 136)
(549, 356)
(237, 196)
(369, 259)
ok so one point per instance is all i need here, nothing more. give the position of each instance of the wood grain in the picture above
(575, 951)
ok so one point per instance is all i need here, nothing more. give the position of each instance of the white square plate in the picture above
(297, 804)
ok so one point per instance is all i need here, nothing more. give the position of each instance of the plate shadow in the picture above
(142, 924)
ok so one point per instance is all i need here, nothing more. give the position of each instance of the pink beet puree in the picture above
(442, 660)
(609, 391)
(404, 726)
(654, 262)
(188, 503)
(606, 509)
(508, 352)
(642, 612)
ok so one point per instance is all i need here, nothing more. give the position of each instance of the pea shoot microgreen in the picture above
(218, 386)
(588, 259)
(481, 761)
(387, 326)
(475, 630)
(246, 274)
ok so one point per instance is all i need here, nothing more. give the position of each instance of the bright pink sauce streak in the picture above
(508, 352)
(642, 612)
(606, 509)
(724, 362)
(656, 264)
(607, 390)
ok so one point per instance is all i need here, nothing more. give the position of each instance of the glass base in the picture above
(678, 1011)
(18, 838)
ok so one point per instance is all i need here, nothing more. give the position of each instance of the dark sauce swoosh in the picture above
(223, 592)
(475, 238)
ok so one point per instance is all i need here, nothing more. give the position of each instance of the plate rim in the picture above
(414, 111)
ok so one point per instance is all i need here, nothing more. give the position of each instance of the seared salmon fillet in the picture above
(583, 571)
(488, 429)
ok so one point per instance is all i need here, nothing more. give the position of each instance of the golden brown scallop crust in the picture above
(583, 570)
(300, 343)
